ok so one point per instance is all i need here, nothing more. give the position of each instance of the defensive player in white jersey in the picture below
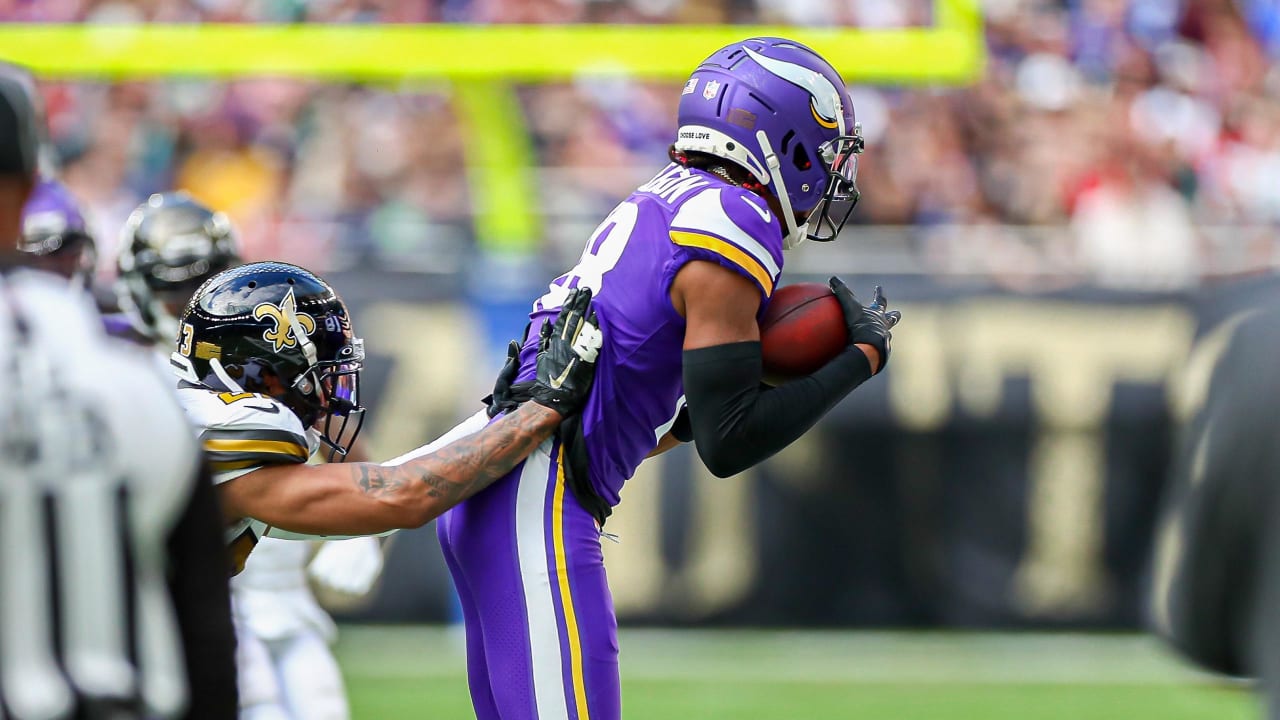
(170, 245)
(269, 370)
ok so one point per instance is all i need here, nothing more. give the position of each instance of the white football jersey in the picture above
(243, 432)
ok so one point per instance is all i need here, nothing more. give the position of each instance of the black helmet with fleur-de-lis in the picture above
(279, 330)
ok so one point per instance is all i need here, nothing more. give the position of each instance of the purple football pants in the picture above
(542, 640)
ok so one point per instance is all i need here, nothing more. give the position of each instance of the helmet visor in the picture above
(343, 417)
(340, 384)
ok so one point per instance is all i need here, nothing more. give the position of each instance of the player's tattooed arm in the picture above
(366, 498)
(429, 485)
(362, 498)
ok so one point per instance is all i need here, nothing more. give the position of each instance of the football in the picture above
(802, 329)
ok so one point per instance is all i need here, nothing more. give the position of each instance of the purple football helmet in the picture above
(777, 109)
(54, 231)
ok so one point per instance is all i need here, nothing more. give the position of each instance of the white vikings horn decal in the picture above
(826, 103)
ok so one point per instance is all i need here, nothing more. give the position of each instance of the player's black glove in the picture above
(867, 324)
(567, 353)
(502, 400)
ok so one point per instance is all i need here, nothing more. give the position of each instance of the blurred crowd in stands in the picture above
(863, 13)
(1134, 141)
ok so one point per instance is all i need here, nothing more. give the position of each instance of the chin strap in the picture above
(182, 368)
(794, 234)
(221, 373)
(300, 333)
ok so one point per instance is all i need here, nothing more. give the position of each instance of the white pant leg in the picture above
(260, 697)
(310, 682)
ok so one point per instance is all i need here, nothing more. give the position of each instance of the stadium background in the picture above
(1099, 177)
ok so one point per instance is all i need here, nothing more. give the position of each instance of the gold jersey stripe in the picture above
(274, 447)
(728, 251)
(240, 461)
(221, 466)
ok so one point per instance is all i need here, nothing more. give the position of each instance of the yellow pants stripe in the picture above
(566, 597)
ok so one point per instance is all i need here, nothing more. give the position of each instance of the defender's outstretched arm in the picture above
(365, 499)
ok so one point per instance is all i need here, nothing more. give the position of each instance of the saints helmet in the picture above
(279, 330)
(169, 246)
(55, 234)
(780, 111)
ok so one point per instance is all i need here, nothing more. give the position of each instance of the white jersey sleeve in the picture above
(240, 433)
(466, 428)
(243, 432)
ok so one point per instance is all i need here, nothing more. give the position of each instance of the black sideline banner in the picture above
(1005, 471)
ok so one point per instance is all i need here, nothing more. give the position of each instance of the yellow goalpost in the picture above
(480, 63)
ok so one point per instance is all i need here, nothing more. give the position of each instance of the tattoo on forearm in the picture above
(462, 468)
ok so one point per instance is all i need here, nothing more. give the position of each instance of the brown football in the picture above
(802, 330)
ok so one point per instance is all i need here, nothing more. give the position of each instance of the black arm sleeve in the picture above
(737, 423)
(198, 572)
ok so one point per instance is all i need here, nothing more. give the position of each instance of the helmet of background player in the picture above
(279, 330)
(778, 110)
(169, 246)
(55, 235)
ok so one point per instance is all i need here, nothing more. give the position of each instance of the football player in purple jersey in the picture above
(56, 236)
(765, 157)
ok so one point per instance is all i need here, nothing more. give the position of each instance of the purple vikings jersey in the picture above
(630, 261)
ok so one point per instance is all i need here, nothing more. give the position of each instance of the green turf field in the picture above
(396, 673)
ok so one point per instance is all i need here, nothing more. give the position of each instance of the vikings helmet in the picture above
(169, 246)
(279, 330)
(778, 110)
(55, 234)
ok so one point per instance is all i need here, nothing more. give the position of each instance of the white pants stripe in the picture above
(535, 577)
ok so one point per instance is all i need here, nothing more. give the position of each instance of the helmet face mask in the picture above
(327, 397)
(279, 330)
(74, 259)
(840, 158)
(338, 386)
